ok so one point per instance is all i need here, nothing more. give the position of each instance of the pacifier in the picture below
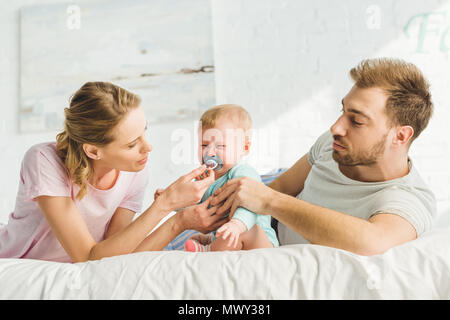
(213, 162)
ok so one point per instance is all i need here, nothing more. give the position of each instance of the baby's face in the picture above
(225, 141)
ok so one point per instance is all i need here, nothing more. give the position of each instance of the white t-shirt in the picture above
(326, 186)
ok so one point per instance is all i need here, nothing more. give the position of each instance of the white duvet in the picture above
(419, 269)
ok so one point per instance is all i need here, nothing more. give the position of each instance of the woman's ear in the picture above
(91, 151)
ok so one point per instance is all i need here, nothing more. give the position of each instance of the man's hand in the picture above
(242, 192)
(233, 230)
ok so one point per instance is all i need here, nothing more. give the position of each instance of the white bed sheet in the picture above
(419, 269)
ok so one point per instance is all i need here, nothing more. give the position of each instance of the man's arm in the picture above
(316, 224)
(328, 227)
(292, 181)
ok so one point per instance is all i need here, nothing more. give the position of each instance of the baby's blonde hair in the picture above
(232, 112)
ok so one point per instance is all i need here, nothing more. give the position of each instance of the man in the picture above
(356, 189)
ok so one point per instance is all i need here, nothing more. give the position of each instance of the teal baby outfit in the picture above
(249, 218)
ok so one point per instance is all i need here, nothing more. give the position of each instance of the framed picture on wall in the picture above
(159, 49)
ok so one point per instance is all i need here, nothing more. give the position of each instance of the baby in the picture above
(224, 139)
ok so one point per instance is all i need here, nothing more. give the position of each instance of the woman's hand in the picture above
(200, 218)
(242, 192)
(185, 192)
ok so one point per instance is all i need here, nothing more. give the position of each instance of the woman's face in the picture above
(130, 148)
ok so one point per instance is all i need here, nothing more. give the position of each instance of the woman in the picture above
(77, 197)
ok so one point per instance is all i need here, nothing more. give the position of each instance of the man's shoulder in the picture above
(414, 183)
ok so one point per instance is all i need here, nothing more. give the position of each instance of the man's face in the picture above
(361, 133)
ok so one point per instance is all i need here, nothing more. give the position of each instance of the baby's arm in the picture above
(243, 219)
(233, 230)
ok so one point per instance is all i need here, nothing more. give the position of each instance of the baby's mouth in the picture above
(213, 162)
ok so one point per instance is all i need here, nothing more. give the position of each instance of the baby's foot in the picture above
(194, 246)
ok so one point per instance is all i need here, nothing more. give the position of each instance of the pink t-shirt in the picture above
(28, 234)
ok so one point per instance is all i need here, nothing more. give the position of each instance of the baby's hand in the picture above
(158, 192)
(232, 229)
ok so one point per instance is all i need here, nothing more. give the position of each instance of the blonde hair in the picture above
(94, 110)
(233, 112)
(409, 100)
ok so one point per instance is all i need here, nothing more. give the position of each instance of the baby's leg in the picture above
(202, 243)
(202, 238)
(198, 243)
(222, 245)
(255, 238)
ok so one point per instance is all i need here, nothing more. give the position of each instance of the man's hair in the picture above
(409, 100)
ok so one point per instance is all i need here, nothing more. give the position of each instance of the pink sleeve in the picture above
(42, 173)
(136, 191)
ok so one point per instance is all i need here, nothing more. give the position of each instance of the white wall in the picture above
(287, 62)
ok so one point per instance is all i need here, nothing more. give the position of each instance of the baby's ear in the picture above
(247, 145)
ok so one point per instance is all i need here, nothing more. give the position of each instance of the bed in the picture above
(419, 269)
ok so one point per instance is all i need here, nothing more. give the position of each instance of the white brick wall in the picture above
(287, 62)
